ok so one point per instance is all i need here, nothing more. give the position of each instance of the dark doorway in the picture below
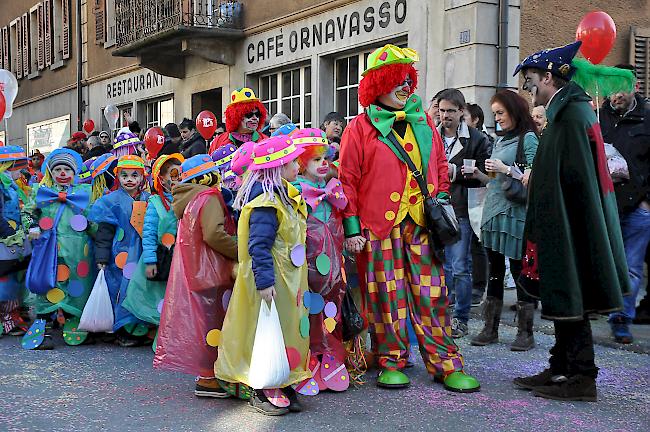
(207, 100)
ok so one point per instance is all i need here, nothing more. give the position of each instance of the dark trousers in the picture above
(498, 273)
(480, 266)
(573, 352)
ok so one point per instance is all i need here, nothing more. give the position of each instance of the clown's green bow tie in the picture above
(383, 119)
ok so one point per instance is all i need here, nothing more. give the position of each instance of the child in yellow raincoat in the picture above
(271, 242)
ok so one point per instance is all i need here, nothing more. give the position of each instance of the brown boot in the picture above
(525, 339)
(492, 317)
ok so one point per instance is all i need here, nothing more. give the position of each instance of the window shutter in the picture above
(19, 49)
(47, 31)
(640, 56)
(3, 49)
(41, 37)
(100, 23)
(26, 61)
(65, 28)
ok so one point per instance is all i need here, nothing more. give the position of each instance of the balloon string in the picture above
(597, 103)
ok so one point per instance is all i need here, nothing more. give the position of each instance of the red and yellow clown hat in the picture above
(157, 166)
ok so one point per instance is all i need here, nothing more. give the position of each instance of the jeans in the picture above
(573, 352)
(635, 227)
(458, 270)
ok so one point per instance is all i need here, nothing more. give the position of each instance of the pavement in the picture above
(108, 388)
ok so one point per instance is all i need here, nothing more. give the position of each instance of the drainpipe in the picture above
(79, 69)
(502, 62)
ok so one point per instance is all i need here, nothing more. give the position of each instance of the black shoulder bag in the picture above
(440, 218)
(514, 189)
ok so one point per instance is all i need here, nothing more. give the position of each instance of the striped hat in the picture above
(63, 156)
(102, 164)
(197, 166)
(126, 139)
(130, 162)
(12, 153)
(157, 166)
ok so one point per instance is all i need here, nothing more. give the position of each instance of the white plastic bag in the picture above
(269, 367)
(97, 315)
(475, 202)
(616, 164)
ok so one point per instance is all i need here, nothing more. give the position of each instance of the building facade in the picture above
(162, 61)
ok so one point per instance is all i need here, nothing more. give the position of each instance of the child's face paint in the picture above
(171, 177)
(317, 168)
(130, 180)
(290, 171)
(63, 175)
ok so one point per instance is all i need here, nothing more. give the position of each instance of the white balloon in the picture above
(10, 89)
(112, 114)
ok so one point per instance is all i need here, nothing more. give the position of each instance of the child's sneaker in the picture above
(209, 387)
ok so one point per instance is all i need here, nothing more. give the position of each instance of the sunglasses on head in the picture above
(251, 114)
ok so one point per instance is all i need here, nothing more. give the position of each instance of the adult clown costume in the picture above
(245, 117)
(384, 221)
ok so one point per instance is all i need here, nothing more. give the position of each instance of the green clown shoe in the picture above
(460, 382)
(392, 379)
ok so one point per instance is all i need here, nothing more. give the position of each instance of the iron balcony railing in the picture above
(138, 19)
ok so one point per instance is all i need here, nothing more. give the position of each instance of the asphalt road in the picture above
(105, 387)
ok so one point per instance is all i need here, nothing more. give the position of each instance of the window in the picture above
(159, 112)
(288, 92)
(4, 48)
(347, 74)
(110, 24)
(640, 58)
(61, 29)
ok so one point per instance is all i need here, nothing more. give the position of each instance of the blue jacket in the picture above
(150, 233)
(262, 231)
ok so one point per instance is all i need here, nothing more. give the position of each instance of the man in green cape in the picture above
(574, 259)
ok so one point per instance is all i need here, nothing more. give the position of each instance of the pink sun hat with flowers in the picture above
(274, 152)
(242, 158)
(309, 137)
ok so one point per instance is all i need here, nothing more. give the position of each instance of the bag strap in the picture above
(419, 176)
(520, 158)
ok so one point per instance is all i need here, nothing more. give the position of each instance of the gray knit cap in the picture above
(62, 159)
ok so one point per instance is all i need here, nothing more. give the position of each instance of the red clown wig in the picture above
(235, 114)
(381, 81)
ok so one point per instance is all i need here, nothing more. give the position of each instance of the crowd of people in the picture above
(319, 233)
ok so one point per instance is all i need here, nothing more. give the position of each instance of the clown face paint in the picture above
(537, 87)
(398, 96)
(171, 176)
(290, 171)
(130, 180)
(317, 168)
(250, 122)
(63, 175)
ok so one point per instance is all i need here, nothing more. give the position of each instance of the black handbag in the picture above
(513, 189)
(163, 262)
(352, 320)
(440, 218)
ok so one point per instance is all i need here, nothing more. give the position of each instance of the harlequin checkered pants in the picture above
(402, 278)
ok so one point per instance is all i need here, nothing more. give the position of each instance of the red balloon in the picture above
(206, 124)
(597, 32)
(89, 126)
(154, 140)
(3, 105)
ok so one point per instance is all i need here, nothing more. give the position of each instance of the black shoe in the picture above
(47, 344)
(477, 300)
(108, 338)
(265, 407)
(294, 402)
(127, 341)
(544, 378)
(576, 388)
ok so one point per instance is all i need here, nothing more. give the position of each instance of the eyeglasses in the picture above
(252, 114)
(408, 82)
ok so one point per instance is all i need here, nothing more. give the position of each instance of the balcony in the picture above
(160, 32)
